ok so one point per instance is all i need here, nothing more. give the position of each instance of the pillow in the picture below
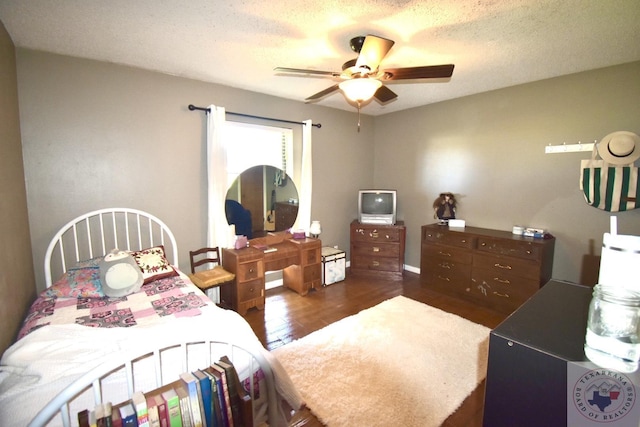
(77, 282)
(154, 264)
(119, 274)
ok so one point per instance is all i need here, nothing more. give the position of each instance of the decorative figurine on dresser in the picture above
(497, 269)
(444, 207)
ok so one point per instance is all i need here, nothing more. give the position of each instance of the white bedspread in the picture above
(38, 366)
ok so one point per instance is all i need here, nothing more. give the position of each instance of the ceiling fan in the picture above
(362, 78)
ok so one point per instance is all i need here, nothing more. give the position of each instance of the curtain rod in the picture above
(207, 110)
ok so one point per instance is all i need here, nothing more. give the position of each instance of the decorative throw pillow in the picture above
(119, 274)
(83, 282)
(154, 264)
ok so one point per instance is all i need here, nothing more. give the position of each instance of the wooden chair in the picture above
(212, 276)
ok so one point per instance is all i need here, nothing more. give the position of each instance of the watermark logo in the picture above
(603, 395)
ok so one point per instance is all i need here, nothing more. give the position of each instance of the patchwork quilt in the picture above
(171, 296)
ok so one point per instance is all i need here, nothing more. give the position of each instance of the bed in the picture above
(78, 348)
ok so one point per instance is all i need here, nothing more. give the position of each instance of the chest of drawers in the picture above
(493, 268)
(377, 249)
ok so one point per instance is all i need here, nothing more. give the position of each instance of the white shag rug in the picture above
(400, 363)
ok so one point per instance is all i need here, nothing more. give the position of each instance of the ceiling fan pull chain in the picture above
(358, 116)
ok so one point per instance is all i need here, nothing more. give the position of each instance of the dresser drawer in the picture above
(508, 265)
(447, 270)
(517, 248)
(448, 238)
(450, 280)
(249, 290)
(503, 291)
(249, 271)
(377, 249)
(376, 263)
(447, 252)
(374, 234)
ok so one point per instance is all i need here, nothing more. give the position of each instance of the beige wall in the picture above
(97, 135)
(16, 273)
(489, 150)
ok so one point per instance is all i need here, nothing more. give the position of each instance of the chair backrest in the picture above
(204, 256)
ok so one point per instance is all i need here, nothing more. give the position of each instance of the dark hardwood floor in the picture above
(289, 316)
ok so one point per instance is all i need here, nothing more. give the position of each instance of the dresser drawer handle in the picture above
(446, 279)
(375, 263)
(498, 294)
(444, 253)
(445, 265)
(375, 249)
(374, 234)
(505, 267)
(504, 281)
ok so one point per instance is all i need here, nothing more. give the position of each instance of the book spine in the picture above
(191, 384)
(140, 405)
(225, 392)
(172, 400)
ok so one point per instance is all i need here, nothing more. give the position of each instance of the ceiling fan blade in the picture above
(384, 94)
(427, 72)
(306, 71)
(374, 49)
(322, 93)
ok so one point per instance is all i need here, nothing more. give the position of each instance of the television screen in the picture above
(377, 203)
(377, 206)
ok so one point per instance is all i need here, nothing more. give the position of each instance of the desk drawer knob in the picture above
(375, 249)
(375, 263)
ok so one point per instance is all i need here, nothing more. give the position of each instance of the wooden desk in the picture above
(300, 261)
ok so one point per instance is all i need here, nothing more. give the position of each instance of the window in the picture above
(250, 145)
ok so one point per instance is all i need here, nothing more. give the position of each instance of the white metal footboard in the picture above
(192, 356)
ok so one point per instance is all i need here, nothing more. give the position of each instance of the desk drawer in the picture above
(249, 271)
(249, 290)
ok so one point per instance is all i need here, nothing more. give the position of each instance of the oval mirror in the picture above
(262, 199)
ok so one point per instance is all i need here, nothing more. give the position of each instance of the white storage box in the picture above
(333, 265)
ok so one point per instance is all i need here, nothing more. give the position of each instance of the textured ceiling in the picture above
(493, 43)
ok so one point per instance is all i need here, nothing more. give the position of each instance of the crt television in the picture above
(377, 206)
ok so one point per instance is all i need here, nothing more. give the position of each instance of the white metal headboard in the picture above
(96, 233)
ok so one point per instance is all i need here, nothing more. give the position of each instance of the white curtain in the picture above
(304, 192)
(218, 231)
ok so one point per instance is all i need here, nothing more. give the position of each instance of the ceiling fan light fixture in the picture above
(360, 89)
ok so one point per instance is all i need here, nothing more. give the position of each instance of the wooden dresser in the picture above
(377, 249)
(494, 268)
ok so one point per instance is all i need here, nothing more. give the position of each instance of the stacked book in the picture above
(209, 397)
